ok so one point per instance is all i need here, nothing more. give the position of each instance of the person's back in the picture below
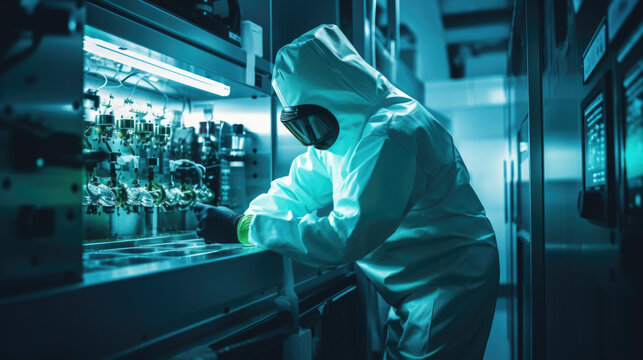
(445, 238)
(441, 263)
(440, 267)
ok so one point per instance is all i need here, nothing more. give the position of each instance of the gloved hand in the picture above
(217, 224)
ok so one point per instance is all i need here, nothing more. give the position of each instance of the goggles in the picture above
(311, 125)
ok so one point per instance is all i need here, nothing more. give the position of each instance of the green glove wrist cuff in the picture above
(243, 229)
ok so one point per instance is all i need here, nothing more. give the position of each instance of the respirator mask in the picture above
(311, 125)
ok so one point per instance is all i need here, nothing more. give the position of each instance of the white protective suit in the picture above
(403, 208)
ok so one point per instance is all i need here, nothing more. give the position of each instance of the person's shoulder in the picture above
(402, 122)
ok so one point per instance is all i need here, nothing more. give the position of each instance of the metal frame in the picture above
(393, 30)
(533, 11)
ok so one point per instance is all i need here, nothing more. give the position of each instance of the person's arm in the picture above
(368, 207)
(306, 188)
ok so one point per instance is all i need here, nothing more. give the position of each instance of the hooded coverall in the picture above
(402, 205)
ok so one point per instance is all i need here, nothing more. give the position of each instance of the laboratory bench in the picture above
(158, 296)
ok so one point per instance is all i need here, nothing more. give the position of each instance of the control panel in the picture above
(596, 200)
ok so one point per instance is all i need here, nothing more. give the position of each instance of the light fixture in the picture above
(152, 66)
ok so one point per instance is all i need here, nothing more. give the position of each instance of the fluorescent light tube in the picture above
(152, 66)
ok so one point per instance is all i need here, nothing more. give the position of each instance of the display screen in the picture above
(633, 89)
(595, 158)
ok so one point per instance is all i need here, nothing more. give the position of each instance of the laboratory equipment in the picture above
(112, 157)
(596, 200)
(572, 85)
(101, 166)
(238, 199)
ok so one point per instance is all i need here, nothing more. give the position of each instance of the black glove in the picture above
(217, 224)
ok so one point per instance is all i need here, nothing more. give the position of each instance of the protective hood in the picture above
(322, 68)
(402, 206)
